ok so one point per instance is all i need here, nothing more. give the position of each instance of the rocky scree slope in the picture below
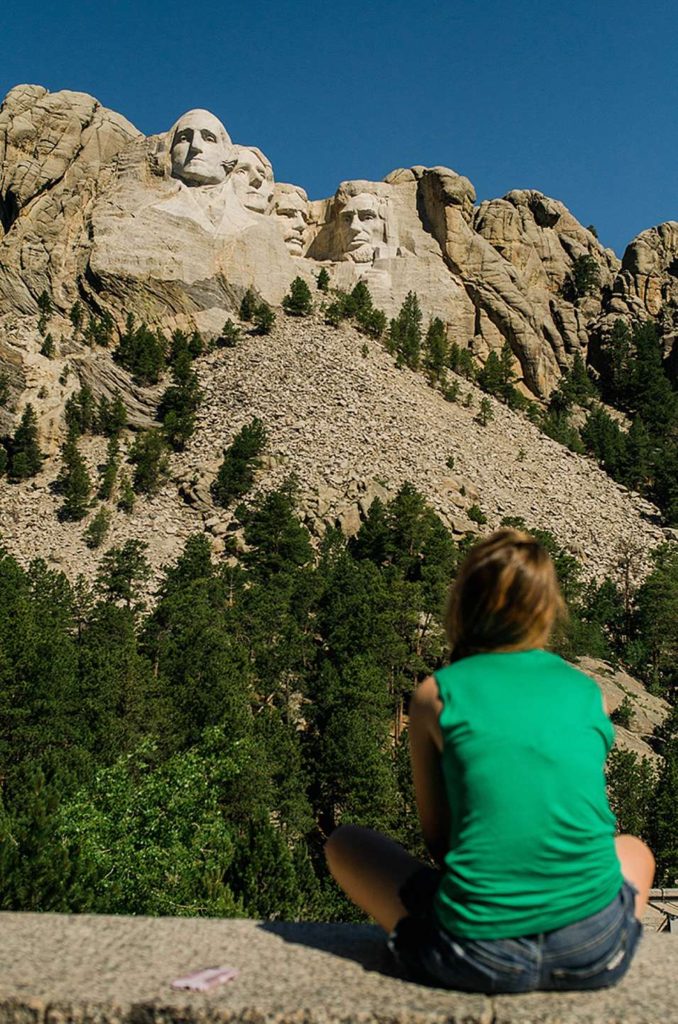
(350, 427)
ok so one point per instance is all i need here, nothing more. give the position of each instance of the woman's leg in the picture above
(370, 868)
(637, 864)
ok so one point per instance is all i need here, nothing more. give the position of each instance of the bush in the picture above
(4, 389)
(298, 302)
(476, 515)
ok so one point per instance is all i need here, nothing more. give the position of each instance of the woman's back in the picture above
(532, 836)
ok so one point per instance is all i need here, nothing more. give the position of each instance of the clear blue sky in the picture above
(577, 98)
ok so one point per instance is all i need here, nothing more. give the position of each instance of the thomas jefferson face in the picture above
(362, 227)
(201, 150)
(253, 180)
(291, 210)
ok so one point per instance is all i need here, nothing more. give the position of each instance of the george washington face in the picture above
(201, 150)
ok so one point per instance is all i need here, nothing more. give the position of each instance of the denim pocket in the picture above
(602, 972)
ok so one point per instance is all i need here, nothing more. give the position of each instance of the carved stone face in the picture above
(291, 210)
(253, 180)
(362, 227)
(201, 151)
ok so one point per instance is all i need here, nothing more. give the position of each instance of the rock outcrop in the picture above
(175, 227)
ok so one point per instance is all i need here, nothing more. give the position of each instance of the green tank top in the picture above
(531, 843)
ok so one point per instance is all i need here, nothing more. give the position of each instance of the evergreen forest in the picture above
(187, 751)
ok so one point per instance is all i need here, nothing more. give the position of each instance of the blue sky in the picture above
(576, 99)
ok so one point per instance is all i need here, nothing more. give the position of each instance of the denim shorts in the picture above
(592, 953)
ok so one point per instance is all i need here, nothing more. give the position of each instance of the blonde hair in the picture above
(506, 596)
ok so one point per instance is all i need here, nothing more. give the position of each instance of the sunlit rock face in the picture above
(176, 226)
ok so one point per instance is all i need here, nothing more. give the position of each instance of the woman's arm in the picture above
(426, 745)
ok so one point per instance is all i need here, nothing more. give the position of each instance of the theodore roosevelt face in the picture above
(291, 210)
(201, 152)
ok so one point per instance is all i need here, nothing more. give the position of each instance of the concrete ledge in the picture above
(62, 969)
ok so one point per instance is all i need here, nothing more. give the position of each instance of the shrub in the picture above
(476, 515)
(4, 389)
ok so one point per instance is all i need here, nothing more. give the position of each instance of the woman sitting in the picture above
(508, 744)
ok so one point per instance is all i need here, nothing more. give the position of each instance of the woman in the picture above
(508, 746)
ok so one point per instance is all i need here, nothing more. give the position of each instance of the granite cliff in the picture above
(175, 227)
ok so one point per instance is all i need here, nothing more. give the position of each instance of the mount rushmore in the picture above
(176, 227)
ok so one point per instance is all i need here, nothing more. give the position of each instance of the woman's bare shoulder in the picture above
(427, 695)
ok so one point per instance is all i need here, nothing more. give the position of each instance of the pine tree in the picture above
(323, 280)
(122, 572)
(47, 347)
(249, 305)
(263, 318)
(584, 277)
(230, 335)
(490, 376)
(462, 362)
(148, 455)
(436, 352)
(180, 402)
(126, 497)
(110, 470)
(98, 528)
(298, 302)
(75, 316)
(73, 481)
(26, 457)
(485, 412)
(405, 338)
(241, 459)
(142, 351)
